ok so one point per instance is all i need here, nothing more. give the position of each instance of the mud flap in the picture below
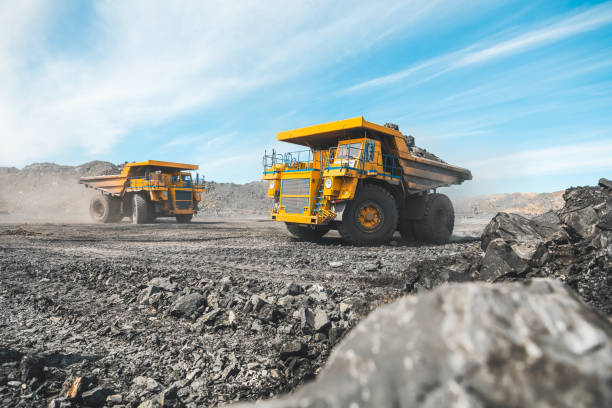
(339, 210)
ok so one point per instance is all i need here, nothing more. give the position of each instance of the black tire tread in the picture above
(427, 229)
(307, 233)
(139, 209)
(354, 238)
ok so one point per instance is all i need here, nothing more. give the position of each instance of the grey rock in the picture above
(164, 283)
(516, 228)
(96, 397)
(258, 302)
(144, 385)
(294, 348)
(335, 264)
(188, 305)
(306, 319)
(514, 243)
(321, 321)
(471, 344)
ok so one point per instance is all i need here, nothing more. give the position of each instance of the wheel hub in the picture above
(369, 217)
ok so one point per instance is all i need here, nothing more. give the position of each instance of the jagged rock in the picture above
(188, 305)
(516, 228)
(293, 349)
(321, 321)
(587, 211)
(306, 319)
(96, 397)
(144, 385)
(514, 243)
(258, 302)
(164, 283)
(604, 182)
(513, 345)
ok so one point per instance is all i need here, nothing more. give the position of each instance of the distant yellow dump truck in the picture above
(363, 179)
(145, 191)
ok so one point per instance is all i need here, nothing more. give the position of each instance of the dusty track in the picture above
(72, 293)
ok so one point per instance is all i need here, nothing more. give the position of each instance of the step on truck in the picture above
(364, 180)
(145, 191)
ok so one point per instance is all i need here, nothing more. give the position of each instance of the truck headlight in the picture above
(328, 183)
(272, 184)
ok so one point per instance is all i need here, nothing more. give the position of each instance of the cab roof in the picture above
(163, 164)
(328, 134)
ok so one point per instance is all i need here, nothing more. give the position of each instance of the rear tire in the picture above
(104, 209)
(183, 218)
(370, 218)
(406, 228)
(438, 222)
(139, 209)
(307, 233)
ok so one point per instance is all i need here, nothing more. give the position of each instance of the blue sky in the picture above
(519, 92)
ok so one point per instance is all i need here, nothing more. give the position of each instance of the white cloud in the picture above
(147, 62)
(558, 160)
(591, 19)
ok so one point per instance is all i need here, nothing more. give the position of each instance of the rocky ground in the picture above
(207, 313)
(235, 309)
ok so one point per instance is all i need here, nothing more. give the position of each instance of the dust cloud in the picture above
(47, 192)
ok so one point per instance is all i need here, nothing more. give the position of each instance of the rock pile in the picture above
(576, 249)
(470, 345)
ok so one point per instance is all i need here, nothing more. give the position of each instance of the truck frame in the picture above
(362, 179)
(145, 191)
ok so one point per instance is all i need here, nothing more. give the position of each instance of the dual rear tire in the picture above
(436, 224)
(105, 209)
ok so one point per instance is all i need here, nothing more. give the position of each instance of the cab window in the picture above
(349, 151)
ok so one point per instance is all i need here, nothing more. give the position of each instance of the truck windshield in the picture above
(186, 177)
(349, 151)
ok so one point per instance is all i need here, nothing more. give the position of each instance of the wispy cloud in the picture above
(148, 62)
(565, 159)
(591, 19)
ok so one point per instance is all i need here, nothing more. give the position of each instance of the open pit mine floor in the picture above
(205, 313)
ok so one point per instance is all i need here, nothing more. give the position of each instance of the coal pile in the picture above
(576, 247)
(526, 344)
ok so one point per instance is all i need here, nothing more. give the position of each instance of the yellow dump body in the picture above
(306, 185)
(166, 184)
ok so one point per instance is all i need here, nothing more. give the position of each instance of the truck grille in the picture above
(295, 205)
(299, 186)
(183, 205)
(182, 195)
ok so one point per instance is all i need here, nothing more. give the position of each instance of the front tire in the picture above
(370, 218)
(307, 233)
(438, 222)
(139, 209)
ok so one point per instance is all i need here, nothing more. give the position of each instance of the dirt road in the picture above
(210, 312)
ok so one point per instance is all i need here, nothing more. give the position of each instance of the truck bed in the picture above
(113, 184)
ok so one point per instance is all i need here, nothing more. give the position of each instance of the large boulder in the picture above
(513, 244)
(587, 211)
(524, 344)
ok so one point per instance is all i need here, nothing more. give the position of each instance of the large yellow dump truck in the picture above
(145, 191)
(363, 179)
